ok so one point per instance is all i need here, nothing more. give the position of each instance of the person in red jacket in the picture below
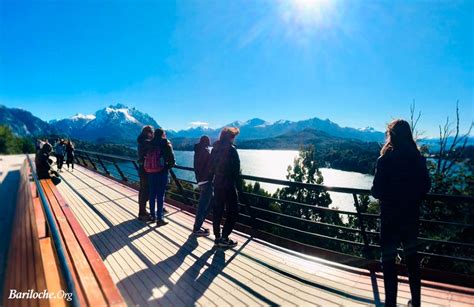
(400, 182)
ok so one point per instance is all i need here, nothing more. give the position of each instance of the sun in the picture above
(306, 13)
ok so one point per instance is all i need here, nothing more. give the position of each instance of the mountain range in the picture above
(120, 124)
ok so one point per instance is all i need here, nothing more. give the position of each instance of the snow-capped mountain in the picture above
(116, 123)
(69, 126)
(257, 128)
(23, 123)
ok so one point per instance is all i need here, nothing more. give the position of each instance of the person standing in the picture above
(70, 154)
(202, 159)
(159, 159)
(59, 151)
(144, 193)
(224, 173)
(400, 182)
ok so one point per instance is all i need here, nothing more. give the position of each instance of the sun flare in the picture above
(306, 13)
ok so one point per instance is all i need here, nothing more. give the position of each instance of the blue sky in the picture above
(358, 63)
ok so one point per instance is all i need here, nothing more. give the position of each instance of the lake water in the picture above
(274, 164)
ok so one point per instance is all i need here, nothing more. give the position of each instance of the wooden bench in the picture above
(33, 262)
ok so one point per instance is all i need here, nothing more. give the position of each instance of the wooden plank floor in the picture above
(167, 266)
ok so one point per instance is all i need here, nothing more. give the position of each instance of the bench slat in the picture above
(101, 273)
(87, 281)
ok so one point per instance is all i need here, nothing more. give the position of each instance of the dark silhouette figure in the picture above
(401, 180)
(144, 192)
(202, 159)
(43, 164)
(70, 154)
(224, 173)
(60, 151)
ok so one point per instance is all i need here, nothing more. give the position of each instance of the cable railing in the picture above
(355, 235)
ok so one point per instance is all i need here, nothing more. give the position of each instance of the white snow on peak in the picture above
(124, 111)
(82, 116)
(367, 129)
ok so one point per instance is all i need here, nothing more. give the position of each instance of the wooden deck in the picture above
(167, 266)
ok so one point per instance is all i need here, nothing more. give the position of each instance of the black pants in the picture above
(225, 197)
(70, 161)
(143, 193)
(400, 223)
(60, 161)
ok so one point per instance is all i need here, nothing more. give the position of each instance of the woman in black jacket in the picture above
(224, 173)
(401, 180)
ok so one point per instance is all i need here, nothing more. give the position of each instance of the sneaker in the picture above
(217, 241)
(227, 243)
(151, 219)
(165, 210)
(201, 232)
(143, 218)
(161, 223)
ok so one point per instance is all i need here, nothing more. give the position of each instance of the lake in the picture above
(274, 164)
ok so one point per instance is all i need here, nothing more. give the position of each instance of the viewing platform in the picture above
(168, 266)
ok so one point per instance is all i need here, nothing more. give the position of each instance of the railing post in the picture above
(102, 164)
(124, 178)
(90, 160)
(362, 226)
(83, 161)
(180, 188)
(136, 165)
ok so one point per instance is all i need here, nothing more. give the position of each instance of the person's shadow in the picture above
(196, 284)
(188, 288)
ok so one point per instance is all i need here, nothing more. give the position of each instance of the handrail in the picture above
(60, 250)
(430, 196)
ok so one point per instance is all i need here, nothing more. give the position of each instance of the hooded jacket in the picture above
(401, 176)
(141, 151)
(202, 159)
(225, 165)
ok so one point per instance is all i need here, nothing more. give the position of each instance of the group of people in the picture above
(44, 164)
(217, 173)
(400, 182)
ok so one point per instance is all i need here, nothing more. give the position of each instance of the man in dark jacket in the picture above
(144, 192)
(224, 172)
(202, 159)
(43, 164)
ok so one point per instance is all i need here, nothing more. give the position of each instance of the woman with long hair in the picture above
(70, 154)
(144, 192)
(400, 182)
(224, 173)
(159, 159)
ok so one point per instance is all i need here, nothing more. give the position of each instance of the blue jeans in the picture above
(204, 205)
(157, 185)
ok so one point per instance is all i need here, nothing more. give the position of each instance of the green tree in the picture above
(11, 144)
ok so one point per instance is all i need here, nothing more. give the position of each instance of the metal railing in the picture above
(310, 223)
(56, 236)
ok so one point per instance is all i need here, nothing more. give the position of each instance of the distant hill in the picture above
(257, 128)
(23, 123)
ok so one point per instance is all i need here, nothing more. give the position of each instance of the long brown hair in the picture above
(228, 134)
(399, 137)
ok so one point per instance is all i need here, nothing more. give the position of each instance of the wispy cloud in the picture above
(198, 124)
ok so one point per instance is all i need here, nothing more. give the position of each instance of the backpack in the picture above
(154, 161)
